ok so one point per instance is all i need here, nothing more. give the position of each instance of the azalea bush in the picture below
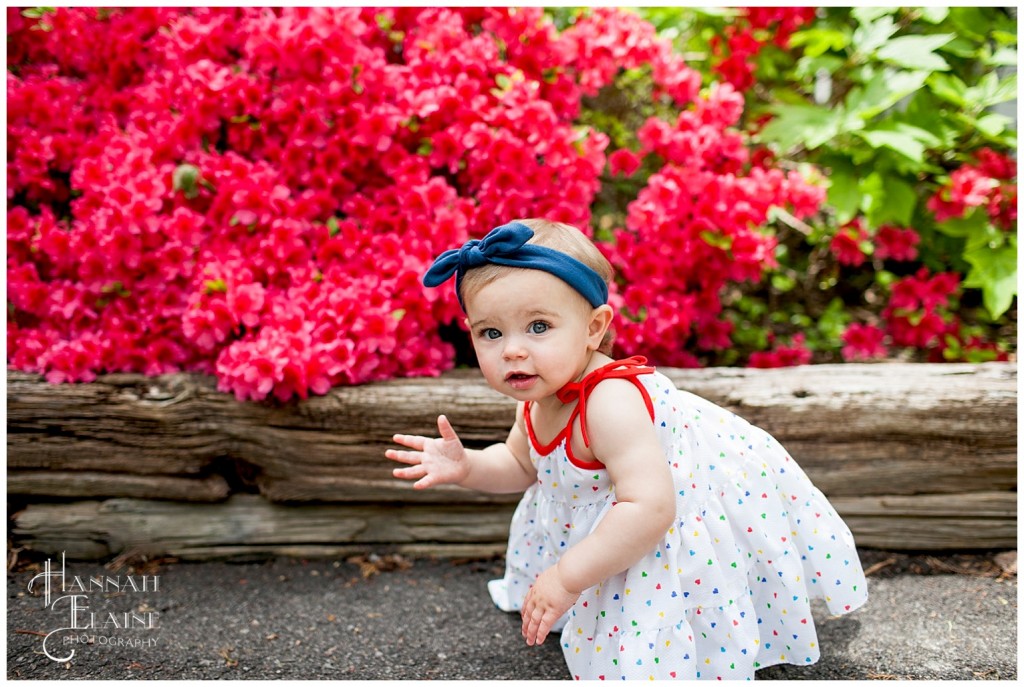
(914, 252)
(255, 193)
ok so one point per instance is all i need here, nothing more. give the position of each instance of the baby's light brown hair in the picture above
(564, 238)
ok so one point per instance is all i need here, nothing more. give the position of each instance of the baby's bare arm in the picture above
(623, 438)
(434, 461)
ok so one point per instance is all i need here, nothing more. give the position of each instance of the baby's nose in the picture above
(514, 351)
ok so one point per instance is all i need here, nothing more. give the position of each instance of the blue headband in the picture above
(507, 245)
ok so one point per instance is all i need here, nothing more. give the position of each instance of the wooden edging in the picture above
(915, 456)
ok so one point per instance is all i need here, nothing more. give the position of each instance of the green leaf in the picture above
(934, 15)
(948, 87)
(992, 124)
(916, 52)
(927, 113)
(215, 286)
(884, 90)
(872, 188)
(720, 241)
(807, 67)
(963, 47)
(991, 91)
(37, 12)
(962, 227)
(871, 35)
(834, 320)
(783, 283)
(885, 278)
(1004, 37)
(995, 273)
(1003, 57)
(184, 178)
(988, 237)
(971, 23)
(899, 204)
(923, 135)
(844, 192)
(866, 15)
(807, 124)
(901, 142)
(817, 42)
(113, 287)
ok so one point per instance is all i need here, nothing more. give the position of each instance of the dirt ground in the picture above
(386, 617)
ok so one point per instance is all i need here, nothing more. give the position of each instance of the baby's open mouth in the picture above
(520, 380)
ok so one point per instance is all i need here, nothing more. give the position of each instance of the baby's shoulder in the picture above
(616, 399)
(618, 414)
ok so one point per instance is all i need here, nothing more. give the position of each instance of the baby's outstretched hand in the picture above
(433, 461)
(545, 603)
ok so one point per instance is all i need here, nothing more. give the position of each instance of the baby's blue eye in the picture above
(539, 327)
(490, 333)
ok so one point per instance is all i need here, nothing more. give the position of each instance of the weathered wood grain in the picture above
(913, 456)
(247, 525)
(856, 429)
(981, 520)
(67, 484)
(120, 423)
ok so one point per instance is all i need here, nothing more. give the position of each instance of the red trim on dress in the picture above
(628, 369)
(541, 449)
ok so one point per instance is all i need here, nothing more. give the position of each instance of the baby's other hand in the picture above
(546, 602)
(433, 461)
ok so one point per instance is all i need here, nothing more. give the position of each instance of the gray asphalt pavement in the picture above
(288, 619)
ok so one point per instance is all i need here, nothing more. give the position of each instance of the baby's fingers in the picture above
(537, 625)
(407, 457)
(427, 482)
(446, 430)
(410, 441)
(417, 472)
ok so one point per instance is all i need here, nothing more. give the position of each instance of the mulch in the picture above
(887, 564)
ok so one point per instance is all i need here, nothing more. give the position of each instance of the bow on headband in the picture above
(507, 245)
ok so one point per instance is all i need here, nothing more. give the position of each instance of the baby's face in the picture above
(531, 333)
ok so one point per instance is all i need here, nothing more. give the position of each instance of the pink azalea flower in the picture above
(782, 356)
(624, 162)
(863, 342)
(896, 244)
(845, 245)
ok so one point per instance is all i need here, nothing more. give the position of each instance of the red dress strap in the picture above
(628, 369)
(543, 449)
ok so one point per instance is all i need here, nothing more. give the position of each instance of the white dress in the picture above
(728, 589)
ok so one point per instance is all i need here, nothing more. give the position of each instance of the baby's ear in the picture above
(600, 320)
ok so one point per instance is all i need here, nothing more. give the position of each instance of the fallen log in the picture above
(85, 484)
(928, 522)
(246, 525)
(883, 430)
(856, 429)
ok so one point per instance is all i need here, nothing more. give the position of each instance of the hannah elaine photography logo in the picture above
(69, 597)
